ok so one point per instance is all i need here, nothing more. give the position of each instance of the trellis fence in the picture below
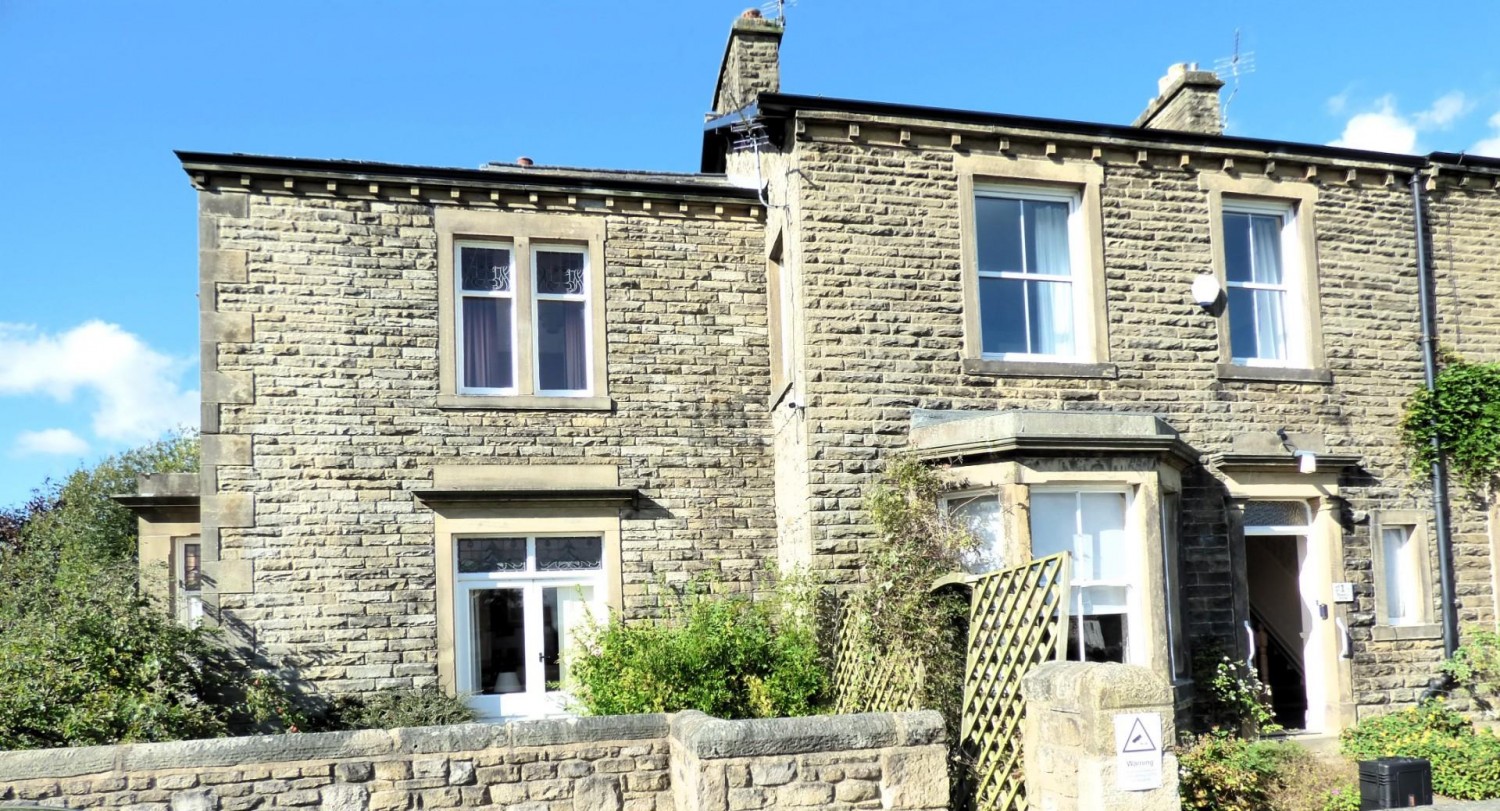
(1017, 620)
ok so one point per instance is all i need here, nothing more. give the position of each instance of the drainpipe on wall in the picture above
(1439, 465)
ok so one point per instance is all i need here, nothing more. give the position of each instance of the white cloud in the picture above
(1443, 112)
(50, 442)
(136, 390)
(1490, 147)
(1384, 129)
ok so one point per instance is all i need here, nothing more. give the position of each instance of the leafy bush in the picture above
(1225, 773)
(84, 657)
(1464, 412)
(1230, 696)
(391, 709)
(1476, 666)
(894, 615)
(1465, 761)
(1344, 797)
(724, 655)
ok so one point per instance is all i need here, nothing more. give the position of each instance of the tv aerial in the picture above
(776, 10)
(1240, 64)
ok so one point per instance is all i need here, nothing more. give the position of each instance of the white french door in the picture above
(520, 604)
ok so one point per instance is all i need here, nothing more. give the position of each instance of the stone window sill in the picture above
(1032, 368)
(466, 402)
(1394, 633)
(1272, 374)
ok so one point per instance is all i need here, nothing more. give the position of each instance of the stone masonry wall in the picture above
(1464, 221)
(625, 763)
(333, 421)
(881, 264)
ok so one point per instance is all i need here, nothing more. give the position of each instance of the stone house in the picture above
(446, 412)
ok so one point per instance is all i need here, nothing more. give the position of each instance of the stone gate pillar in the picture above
(1096, 736)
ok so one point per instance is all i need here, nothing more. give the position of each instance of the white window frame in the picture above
(1136, 633)
(1076, 279)
(536, 701)
(1409, 575)
(1171, 552)
(515, 316)
(588, 319)
(189, 603)
(1293, 278)
(985, 560)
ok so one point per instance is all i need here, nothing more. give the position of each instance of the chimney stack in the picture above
(752, 62)
(1187, 99)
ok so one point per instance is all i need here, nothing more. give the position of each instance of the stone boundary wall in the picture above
(684, 762)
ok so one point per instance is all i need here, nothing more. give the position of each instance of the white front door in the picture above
(1287, 576)
(520, 605)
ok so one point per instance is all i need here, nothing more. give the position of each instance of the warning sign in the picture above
(1138, 751)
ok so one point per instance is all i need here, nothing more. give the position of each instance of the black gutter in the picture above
(1458, 160)
(1439, 465)
(774, 104)
(539, 177)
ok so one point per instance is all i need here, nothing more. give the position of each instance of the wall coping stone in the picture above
(713, 738)
(1104, 685)
(365, 743)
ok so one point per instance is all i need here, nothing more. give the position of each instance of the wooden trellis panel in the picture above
(1017, 620)
(864, 682)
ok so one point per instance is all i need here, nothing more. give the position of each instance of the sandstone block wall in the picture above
(880, 226)
(1069, 736)
(622, 763)
(321, 418)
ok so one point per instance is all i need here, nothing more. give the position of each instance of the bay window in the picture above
(188, 582)
(1092, 526)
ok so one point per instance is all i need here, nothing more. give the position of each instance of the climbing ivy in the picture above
(1464, 412)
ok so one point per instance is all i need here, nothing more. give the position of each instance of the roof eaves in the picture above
(706, 187)
(785, 104)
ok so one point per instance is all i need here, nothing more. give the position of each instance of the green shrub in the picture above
(84, 657)
(1225, 773)
(392, 709)
(1476, 665)
(724, 655)
(1230, 696)
(1465, 761)
(1464, 412)
(894, 616)
(1344, 797)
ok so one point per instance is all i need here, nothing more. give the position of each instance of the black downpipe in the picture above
(1439, 465)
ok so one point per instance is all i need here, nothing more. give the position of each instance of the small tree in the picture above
(894, 612)
(84, 658)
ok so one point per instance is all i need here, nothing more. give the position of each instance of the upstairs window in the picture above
(487, 318)
(523, 311)
(562, 331)
(558, 310)
(1265, 321)
(1028, 287)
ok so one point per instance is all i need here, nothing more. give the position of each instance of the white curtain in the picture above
(1051, 301)
(1270, 324)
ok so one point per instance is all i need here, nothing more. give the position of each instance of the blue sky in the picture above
(98, 317)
